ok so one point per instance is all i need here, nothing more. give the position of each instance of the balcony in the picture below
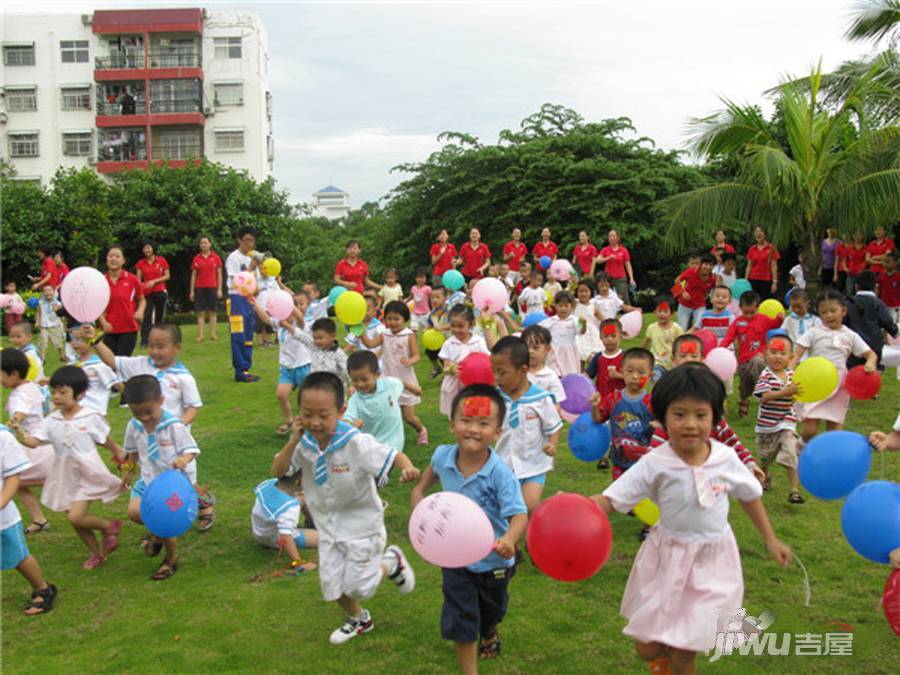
(178, 58)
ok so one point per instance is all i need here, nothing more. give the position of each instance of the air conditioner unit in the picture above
(86, 19)
(92, 161)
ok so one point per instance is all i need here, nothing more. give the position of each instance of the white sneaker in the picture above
(403, 576)
(351, 628)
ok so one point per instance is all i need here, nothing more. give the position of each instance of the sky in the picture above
(360, 87)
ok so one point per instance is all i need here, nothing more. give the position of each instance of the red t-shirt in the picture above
(889, 288)
(584, 257)
(598, 368)
(750, 334)
(519, 251)
(615, 266)
(695, 286)
(354, 273)
(47, 265)
(206, 267)
(874, 248)
(445, 262)
(760, 260)
(124, 295)
(152, 270)
(63, 270)
(726, 248)
(540, 249)
(474, 258)
(853, 259)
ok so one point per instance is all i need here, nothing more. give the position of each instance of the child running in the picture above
(439, 320)
(457, 347)
(660, 336)
(588, 340)
(672, 616)
(420, 296)
(800, 318)
(564, 326)
(101, 378)
(47, 319)
(538, 340)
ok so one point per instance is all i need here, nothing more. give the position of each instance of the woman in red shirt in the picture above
(514, 252)
(474, 256)
(618, 268)
(877, 250)
(206, 287)
(853, 261)
(352, 272)
(693, 286)
(762, 265)
(49, 272)
(544, 247)
(721, 246)
(584, 255)
(442, 255)
(153, 273)
(61, 267)
(126, 306)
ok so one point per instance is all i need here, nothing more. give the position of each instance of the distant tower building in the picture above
(332, 203)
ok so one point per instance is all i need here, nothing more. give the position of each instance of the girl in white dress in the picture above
(457, 347)
(588, 341)
(688, 570)
(564, 327)
(78, 475)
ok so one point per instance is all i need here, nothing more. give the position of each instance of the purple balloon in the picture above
(579, 390)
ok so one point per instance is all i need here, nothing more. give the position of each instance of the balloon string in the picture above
(882, 465)
(806, 589)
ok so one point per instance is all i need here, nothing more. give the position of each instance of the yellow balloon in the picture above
(433, 339)
(771, 308)
(817, 378)
(350, 308)
(32, 374)
(647, 512)
(271, 267)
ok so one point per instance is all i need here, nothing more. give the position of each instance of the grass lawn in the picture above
(209, 617)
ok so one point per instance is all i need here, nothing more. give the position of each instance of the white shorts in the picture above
(351, 568)
(419, 322)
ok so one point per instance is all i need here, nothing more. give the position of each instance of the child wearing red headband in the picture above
(661, 335)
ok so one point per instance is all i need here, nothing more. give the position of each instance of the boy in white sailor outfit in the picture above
(274, 518)
(339, 463)
(531, 427)
(101, 377)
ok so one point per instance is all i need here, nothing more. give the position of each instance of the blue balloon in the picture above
(871, 519)
(835, 463)
(588, 440)
(533, 319)
(169, 505)
(739, 287)
(787, 297)
(335, 293)
(33, 303)
(453, 279)
(545, 261)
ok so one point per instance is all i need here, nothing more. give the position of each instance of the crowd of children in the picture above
(665, 410)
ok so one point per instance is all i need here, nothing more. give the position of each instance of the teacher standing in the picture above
(240, 311)
(545, 247)
(153, 273)
(122, 317)
(617, 262)
(584, 255)
(352, 272)
(474, 256)
(514, 252)
(762, 265)
(442, 255)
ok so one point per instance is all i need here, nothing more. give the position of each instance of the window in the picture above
(77, 143)
(23, 144)
(76, 98)
(18, 55)
(231, 140)
(228, 94)
(177, 144)
(74, 51)
(227, 48)
(31, 180)
(21, 99)
(175, 96)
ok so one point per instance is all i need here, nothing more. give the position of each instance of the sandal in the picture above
(206, 520)
(767, 484)
(111, 536)
(283, 429)
(796, 498)
(151, 545)
(743, 408)
(166, 570)
(36, 527)
(42, 600)
(489, 649)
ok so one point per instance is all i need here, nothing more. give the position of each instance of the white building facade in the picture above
(331, 202)
(120, 89)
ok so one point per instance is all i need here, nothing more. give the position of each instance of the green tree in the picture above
(25, 227)
(78, 208)
(875, 20)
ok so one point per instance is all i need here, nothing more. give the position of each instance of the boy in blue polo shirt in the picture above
(476, 597)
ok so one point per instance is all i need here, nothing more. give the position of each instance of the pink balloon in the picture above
(632, 322)
(5, 300)
(85, 294)
(279, 304)
(568, 417)
(244, 283)
(722, 362)
(450, 530)
(16, 307)
(561, 269)
(892, 341)
(708, 338)
(490, 294)
(734, 307)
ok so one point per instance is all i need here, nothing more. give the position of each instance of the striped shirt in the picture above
(722, 432)
(776, 414)
(718, 323)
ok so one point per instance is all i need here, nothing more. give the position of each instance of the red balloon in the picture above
(862, 385)
(708, 338)
(891, 601)
(476, 369)
(569, 537)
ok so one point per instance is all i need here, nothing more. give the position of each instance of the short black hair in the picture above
(708, 259)
(14, 361)
(474, 390)
(564, 297)
(800, 294)
(537, 334)
(142, 388)
(723, 287)
(587, 281)
(687, 337)
(514, 347)
(728, 255)
(323, 381)
(173, 330)
(70, 376)
(325, 324)
(689, 380)
(362, 359)
(291, 483)
(601, 276)
(24, 325)
(779, 335)
(152, 244)
(749, 298)
(45, 249)
(865, 281)
(397, 307)
(351, 242)
(639, 353)
(244, 231)
(610, 322)
(464, 311)
(831, 295)
(422, 272)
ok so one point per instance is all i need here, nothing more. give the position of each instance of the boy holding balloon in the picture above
(476, 596)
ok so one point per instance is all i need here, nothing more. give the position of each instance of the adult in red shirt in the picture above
(693, 286)
(762, 265)
(206, 287)
(877, 249)
(721, 246)
(889, 286)
(617, 262)
(442, 255)
(514, 251)
(544, 247)
(474, 256)
(153, 272)
(49, 272)
(584, 255)
(352, 272)
(61, 267)
(125, 311)
(852, 261)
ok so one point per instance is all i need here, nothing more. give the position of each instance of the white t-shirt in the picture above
(547, 379)
(274, 514)
(552, 288)
(797, 326)
(80, 435)
(173, 440)
(455, 351)
(236, 262)
(292, 352)
(179, 387)
(797, 273)
(27, 399)
(533, 299)
(834, 345)
(529, 422)
(49, 317)
(100, 379)
(563, 331)
(13, 460)
(608, 305)
(726, 279)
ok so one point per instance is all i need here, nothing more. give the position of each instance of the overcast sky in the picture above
(362, 87)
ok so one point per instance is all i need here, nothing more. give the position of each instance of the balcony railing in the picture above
(175, 59)
(107, 108)
(177, 150)
(119, 61)
(175, 106)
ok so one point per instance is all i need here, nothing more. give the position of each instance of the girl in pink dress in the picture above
(399, 355)
(687, 573)
(78, 475)
(458, 346)
(564, 327)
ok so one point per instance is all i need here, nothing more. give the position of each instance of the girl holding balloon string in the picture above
(458, 346)
(688, 570)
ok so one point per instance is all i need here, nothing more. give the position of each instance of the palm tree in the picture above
(875, 20)
(826, 167)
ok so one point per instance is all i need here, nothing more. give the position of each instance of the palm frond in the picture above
(728, 130)
(771, 170)
(874, 19)
(868, 202)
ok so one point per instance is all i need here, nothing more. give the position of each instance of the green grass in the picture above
(210, 617)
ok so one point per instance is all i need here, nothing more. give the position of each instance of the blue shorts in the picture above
(540, 479)
(474, 602)
(13, 549)
(292, 376)
(137, 490)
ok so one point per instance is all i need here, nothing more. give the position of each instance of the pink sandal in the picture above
(93, 562)
(111, 536)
